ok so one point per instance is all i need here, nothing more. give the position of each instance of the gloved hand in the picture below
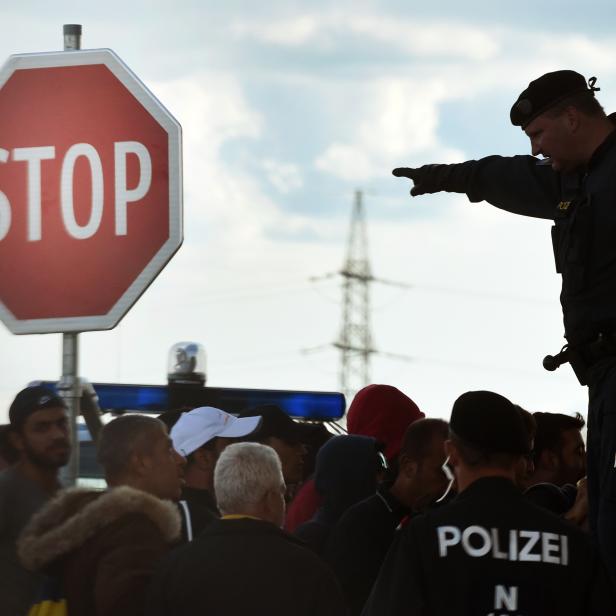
(435, 178)
(419, 177)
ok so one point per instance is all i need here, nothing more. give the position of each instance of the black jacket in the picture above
(197, 509)
(359, 543)
(582, 207)
(244, 566)
(490, 551)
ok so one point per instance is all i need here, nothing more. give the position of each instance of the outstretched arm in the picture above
(516, 184)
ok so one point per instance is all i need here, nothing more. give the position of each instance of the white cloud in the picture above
(292, 32)
(285, 177)
(396, 123)
(214, 112)
(427, 39)
(347, 162)
(395, 119)
(417, 37)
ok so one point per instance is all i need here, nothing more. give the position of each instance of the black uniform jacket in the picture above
(583, 208)
(242, 567)
(490, 552)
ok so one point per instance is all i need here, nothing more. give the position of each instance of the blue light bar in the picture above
(305, 405)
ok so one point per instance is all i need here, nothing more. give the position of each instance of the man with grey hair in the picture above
(246, 549)
(103, 546)
(250, 483)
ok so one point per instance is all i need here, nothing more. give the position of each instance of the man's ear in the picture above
(139, 463)
(451, 452)
(572, 119)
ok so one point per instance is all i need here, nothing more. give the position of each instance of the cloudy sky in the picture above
(286, 111)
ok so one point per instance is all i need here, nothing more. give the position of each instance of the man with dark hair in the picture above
(559, 465)
(490, 551)
(201, 435)
(284, 436)
(361, 538)
(574, 187)
(38, 438)
(104, 546)
(559, 453)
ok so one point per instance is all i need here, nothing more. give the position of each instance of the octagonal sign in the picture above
(90, 191)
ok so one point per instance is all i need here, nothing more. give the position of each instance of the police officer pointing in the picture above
(490, 552)
(575, 186)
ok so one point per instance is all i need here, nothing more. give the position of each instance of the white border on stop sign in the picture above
(157, 110)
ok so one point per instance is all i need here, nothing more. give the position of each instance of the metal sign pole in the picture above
(70, 386)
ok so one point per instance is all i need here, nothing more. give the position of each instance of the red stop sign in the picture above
(90, 191)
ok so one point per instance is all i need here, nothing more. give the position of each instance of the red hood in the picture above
(383, 412)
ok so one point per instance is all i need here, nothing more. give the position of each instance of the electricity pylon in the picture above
(355, 338)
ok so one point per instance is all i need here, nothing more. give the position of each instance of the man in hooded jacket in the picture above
(380, 411)
(346, 472)
(102, 547)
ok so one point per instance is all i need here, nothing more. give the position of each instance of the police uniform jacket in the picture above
(582, 206)
(490, 552)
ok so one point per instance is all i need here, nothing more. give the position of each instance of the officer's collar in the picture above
(489, 486)
(608, 142)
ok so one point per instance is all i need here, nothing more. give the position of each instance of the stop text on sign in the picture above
(33, 157)
(90, 190)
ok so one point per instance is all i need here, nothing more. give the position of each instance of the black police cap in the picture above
(489, 423)
(547, 91)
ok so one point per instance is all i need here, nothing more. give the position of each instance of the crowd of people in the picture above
(214, 513)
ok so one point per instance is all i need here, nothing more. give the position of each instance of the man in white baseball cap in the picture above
(200, 436)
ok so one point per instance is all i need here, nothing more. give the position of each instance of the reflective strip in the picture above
(189, 532)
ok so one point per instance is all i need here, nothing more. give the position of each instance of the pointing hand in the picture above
(435, 178)
(412, 174)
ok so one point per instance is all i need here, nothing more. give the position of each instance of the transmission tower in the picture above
(355, 339)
